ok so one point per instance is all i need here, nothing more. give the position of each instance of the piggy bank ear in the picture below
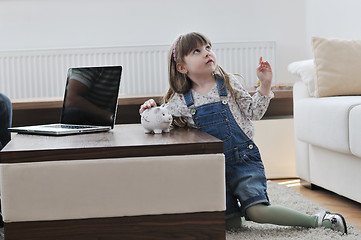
(164, 108)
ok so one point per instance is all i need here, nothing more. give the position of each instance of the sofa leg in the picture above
(309, 185)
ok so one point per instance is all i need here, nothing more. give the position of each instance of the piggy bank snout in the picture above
(167, 117)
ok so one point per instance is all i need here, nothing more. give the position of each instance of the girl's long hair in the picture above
(179, 82)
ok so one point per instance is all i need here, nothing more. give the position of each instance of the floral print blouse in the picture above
(245, 109)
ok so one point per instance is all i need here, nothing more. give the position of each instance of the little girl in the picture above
(204, 96)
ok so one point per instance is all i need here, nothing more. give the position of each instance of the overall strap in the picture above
(188, 98)
(221, 91)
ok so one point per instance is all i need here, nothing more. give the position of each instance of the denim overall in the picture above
(245, 177)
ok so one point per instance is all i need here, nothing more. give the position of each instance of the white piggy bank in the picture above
(156, 119)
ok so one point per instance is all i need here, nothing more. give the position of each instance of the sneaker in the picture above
(337, 221)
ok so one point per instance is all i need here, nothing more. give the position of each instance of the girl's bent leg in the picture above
(280, 216)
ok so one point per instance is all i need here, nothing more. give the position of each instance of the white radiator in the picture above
(42, 73)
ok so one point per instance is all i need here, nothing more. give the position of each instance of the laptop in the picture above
(89, 105)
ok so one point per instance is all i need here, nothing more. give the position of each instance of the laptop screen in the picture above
(91, 96)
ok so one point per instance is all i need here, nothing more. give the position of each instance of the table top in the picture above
(125, 140)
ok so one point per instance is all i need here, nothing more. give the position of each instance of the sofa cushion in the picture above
(324, 122)
(355, 131)
(305, 70)
(337, 66)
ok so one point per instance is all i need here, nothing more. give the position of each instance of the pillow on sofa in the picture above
(337, 66)
(305, 70)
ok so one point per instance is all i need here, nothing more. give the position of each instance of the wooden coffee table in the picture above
(123, 141)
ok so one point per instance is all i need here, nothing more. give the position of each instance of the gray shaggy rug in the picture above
(288, 197)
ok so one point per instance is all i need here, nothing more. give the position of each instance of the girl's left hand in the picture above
(264, 71)
(264, 74)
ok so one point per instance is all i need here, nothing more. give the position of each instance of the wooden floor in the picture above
(351, 210)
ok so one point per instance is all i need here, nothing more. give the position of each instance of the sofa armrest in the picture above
(300, 91)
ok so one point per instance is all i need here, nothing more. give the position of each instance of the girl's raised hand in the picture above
(147, 104)
(264, 72)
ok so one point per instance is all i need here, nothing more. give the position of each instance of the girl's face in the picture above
(201, 61)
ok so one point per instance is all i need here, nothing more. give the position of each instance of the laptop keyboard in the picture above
(68, 126)
(74, 126)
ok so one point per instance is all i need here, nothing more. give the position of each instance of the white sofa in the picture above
(328, 141)
(327, 128)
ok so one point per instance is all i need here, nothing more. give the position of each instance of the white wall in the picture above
(332, 19)
(34, 24)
